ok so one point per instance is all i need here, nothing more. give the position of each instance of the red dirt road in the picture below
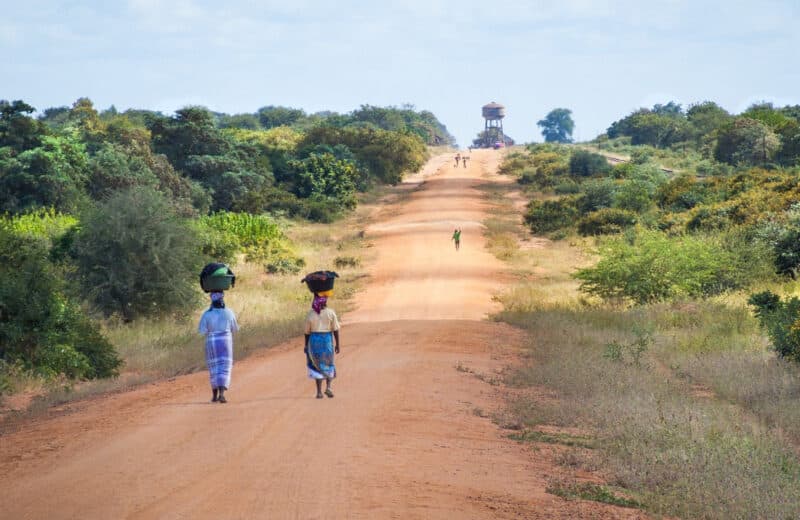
(403, 438)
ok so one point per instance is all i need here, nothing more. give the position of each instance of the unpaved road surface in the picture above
(405, 437)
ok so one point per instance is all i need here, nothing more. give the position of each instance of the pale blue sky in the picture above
(601, 59)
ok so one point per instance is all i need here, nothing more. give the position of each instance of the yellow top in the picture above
(325, 321)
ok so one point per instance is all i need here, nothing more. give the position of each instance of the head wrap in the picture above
(319, 303)
(217, 301)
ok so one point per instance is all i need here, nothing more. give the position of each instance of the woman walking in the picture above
(218, 325)
(322, 342)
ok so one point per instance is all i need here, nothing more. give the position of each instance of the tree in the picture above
(136, 257)
(272, 116)
(746, 142)
(39, 326)
(17, 129)
(706, 117)
(584, 163)
(53, 174)
(557, 126)
(324, 177)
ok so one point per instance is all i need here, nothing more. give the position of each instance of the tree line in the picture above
(109, 213)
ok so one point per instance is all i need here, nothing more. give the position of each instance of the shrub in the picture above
(584, 163)
(40, 329)
(568, 187)
(712, 217)
(44, 223)
(597, 194)
(514, 163)
(215, 244)
(781, 320)
(550, 215)
(346, 261)
(681, 193)
(258, 236)
(285, 266)
(634, 195)
(529, 176)
(655, 267)
(606, 221)
(137, 258)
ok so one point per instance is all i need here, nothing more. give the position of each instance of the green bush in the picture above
(596, 194)
(285, 266)
(346, 261)
(258, 236)
(568, 187)
(634, 195)
(40, 329)
(550, 215)
(606, 221)
(584, 163)
(787, 252)
(653, 267)
(781, 320)
(45, 223)
(137, 258)
(681, 193)
(216, 244)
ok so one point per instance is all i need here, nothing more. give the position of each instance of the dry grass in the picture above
(684, 455)
(270, 309)
(726, 452)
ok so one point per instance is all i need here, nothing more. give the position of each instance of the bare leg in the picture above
(328, 390)
(319, 388)
(222, 395)
(215, 398)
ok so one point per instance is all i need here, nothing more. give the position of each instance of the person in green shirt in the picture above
(457, 238)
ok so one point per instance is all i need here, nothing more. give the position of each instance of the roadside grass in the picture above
(683, 404)
(563, 439)
(589, 491)
(683, 455)
(270, 309)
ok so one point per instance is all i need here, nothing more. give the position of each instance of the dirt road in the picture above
(405, 437)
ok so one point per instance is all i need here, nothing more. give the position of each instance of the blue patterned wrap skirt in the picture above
(320, 356)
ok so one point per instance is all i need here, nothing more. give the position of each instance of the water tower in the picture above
(493, 114)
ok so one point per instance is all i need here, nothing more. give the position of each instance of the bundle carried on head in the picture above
(320, 282)
(216, 277)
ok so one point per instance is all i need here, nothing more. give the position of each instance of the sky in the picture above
(602, 59)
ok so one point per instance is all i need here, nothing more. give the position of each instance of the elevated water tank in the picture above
(494, 111)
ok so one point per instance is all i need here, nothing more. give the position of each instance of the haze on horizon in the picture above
(600, 59)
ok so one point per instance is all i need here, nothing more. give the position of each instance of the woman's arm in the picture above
(336, 336)
(305, 349)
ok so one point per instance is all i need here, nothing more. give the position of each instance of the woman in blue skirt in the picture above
(218, 325)
(322, 342)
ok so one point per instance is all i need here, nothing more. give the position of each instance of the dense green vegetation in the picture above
(110, 214)
(722, 216)
(641, 344)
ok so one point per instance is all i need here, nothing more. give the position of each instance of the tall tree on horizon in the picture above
(557, 126)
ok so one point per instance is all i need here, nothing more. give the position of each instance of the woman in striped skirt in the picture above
(218, 325)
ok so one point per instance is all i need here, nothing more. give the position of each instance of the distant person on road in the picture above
(457, 238)
(218, 325)
(458, 159)
(321, 330)
(464, 160)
